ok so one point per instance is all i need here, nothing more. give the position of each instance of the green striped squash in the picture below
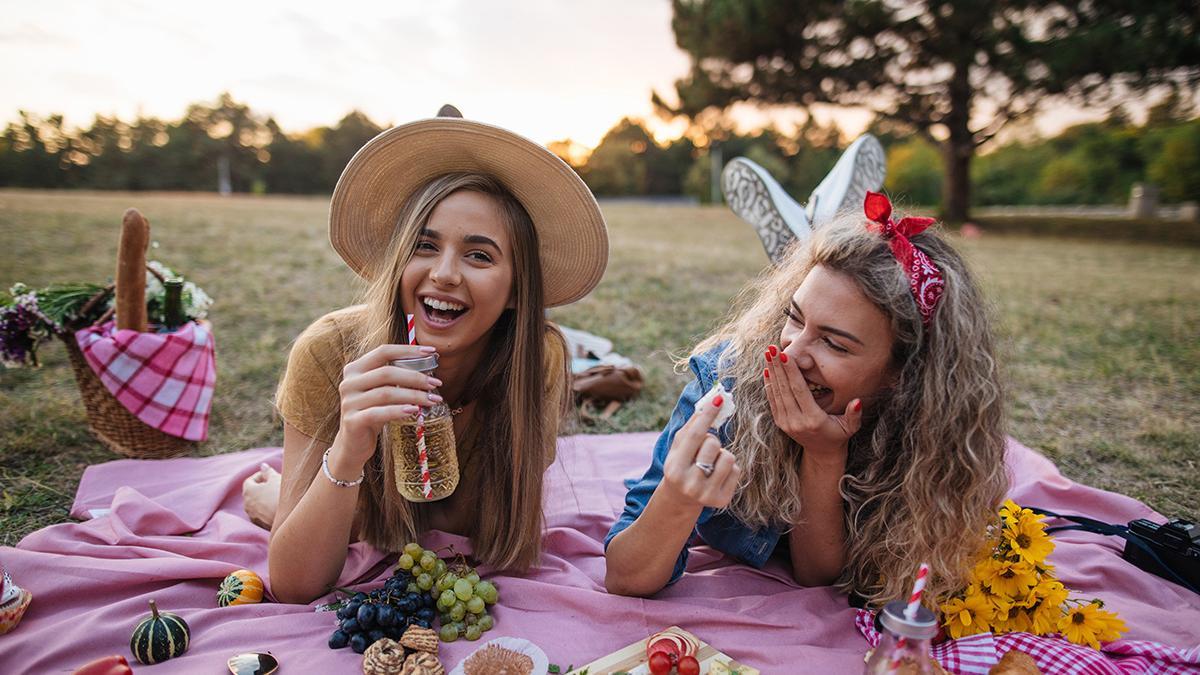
(159, 637)
(242, 587)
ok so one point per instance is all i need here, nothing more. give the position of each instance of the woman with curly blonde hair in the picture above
(867, 436)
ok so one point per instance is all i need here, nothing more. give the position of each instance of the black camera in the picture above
(1175, 543)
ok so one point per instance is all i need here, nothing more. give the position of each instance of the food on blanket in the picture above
(727, 405)
(496, 660)
(242, 587)
(730, 668)
(674, 644)
(422, 663)
(660, 663)
(462, 599)
(131, 272)
(367, 618)
(385, 657)
(105, 665)
(14, 600)
(9, 591)
(1015, 662)
(159, 637)
(688, 665)
(667, 650)
(420, 639)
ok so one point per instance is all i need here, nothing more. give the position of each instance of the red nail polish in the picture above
(782, 357)
(773, 349)
(717, 401)
(766, 373)
(858, 405)
(767, 355)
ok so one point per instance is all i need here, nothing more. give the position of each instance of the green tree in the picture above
(292, 164)
(1176, 168)
(954, 71)
(913, 175)
(618, 165)
(337, 144)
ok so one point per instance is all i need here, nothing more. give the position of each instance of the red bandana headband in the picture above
(924, 277)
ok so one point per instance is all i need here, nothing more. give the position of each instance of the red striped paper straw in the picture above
(910, 612)
(422, 453)
(914, 600)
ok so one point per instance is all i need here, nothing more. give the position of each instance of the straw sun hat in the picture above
(390, 168)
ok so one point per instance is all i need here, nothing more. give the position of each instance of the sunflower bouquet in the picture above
(1013, 589)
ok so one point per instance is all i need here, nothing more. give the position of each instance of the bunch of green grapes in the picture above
(462, 597)
(462, 600)
(424, 565)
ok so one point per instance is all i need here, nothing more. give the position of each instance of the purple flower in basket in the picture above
(22, 328)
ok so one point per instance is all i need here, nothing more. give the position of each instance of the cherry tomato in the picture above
(688, 665)
(660, 663)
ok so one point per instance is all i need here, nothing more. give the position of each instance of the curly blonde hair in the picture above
(925, 473)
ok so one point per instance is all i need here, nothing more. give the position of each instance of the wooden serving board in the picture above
(632, 659)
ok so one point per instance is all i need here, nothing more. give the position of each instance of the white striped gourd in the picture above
(161, 636)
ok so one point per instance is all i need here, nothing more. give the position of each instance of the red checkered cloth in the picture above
(165, 379)
(1054, 656)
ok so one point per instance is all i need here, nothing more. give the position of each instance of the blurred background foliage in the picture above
(1093, 163)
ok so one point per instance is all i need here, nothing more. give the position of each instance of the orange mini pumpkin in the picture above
(242, 587)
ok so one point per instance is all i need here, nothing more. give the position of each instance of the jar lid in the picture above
(923, 626)
(421, 363)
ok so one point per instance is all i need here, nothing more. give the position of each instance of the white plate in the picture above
(541, 664)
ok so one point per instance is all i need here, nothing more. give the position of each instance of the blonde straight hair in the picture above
(925, 474)
(515, 426)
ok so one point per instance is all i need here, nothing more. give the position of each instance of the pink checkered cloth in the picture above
(1054, 656)
(165, 379)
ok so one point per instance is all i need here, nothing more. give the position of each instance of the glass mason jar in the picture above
(906, 642)
(435, 426)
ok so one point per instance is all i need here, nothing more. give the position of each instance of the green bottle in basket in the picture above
(173, 316)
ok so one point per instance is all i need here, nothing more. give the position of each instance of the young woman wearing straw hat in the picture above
(867, 435)
(474, 231)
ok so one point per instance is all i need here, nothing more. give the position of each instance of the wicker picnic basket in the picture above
(108, 420)
(112, 424)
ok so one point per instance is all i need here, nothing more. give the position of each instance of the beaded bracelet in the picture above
(336, 481)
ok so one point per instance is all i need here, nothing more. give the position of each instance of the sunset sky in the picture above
(549, 69)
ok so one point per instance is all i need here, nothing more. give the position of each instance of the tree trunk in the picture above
(958, 149)
(956, 182)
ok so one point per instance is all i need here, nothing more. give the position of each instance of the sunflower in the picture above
(1010, 511)
(1084, 624)
(1114, 626)
(1006, 578)
(969, 614)
(1048, 596)
(1010, 618)
(1043, 620)
(1026, 536)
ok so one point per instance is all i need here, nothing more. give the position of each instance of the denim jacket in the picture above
(718, 529)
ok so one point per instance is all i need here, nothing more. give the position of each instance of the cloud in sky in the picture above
(550, 69)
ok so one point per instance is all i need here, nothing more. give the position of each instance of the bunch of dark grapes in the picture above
(384, 612)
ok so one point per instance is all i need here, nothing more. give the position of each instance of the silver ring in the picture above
(705, 467)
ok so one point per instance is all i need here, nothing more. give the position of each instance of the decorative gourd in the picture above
(160, 637)
(242, 587)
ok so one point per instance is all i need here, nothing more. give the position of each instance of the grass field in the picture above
(1100, 339)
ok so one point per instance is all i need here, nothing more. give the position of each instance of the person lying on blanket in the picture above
(474, 231)
(867, 435)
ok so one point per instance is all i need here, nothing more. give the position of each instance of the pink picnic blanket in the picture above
(176, 528)
(165, 379)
